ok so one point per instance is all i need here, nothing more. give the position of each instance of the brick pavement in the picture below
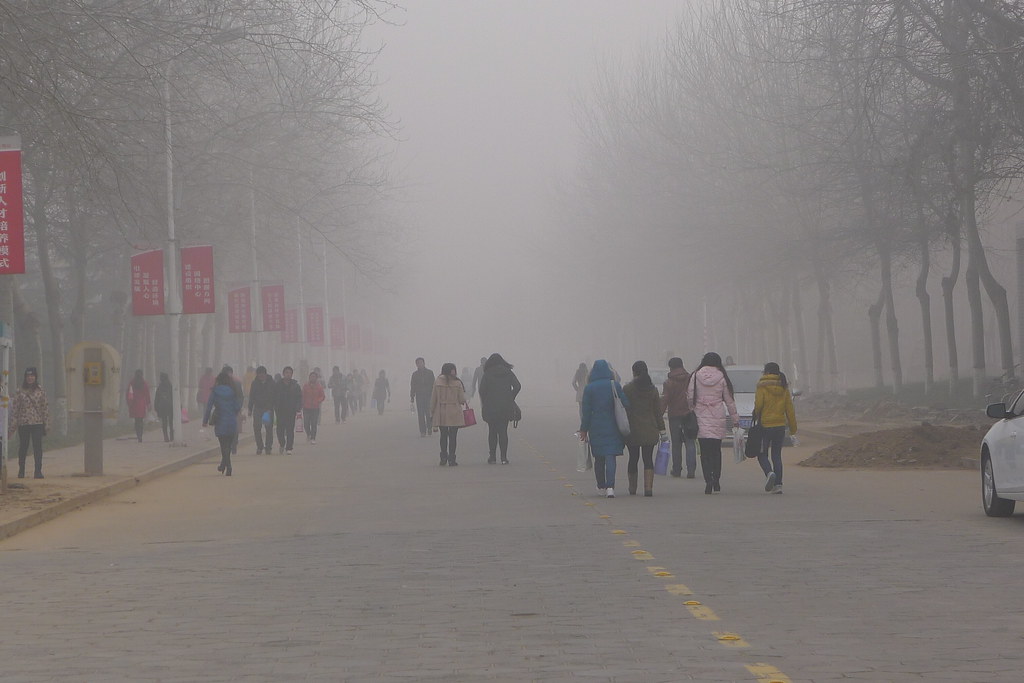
(360, 559)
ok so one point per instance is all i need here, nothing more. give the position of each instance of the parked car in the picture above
(1002, 458)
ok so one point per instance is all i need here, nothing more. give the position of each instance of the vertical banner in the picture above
(315, 325)
(12, 217)
(337, 333)
(240, 310)
(272, 302)
(148, 283)
(197, 280)
(353, 335)
(290, 333)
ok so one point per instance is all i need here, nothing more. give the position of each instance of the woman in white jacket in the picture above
(711, 394)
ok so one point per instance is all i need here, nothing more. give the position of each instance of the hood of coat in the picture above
(773, 383)
(679, 375)
(498, 371)
(709, 376)
(600, 371)
(224, 391)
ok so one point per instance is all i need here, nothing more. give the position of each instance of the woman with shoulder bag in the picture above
(773, 404)
(710, 391)
(646, 426)
(446, 404)
(225, 401)
(599, 427)
(499, 387)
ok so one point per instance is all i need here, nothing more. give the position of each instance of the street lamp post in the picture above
(173, 292)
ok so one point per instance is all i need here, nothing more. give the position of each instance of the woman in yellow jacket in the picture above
(774, 405)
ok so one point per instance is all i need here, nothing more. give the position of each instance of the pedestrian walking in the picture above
(352, 388)
(240, 395)
(364, 388)
(138, 401)
(498, 389)
(710, 392)
(381, 392)
(682, 422)
(338, 386)
(222, 411)
(421, 386)
(579, 383)
(287, 404)
(773, 404)
(205, 387)
(598, 425)
(163, 404)
(261, 410)
(312, 396)
(30, 418)
(646, 426)
(478, 374)
(446, 404)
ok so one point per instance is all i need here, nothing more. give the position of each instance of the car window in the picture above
(744, 381)
(1017, 406)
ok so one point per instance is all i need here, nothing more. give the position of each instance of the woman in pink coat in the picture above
(711, 393)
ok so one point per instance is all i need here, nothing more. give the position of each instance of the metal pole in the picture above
(327, 305)
(5, 403)
(302, 300)
(173, 292)
(258, 315)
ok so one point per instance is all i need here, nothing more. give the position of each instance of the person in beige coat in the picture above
(446, 404)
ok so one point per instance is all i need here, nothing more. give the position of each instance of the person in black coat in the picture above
(498, 390)
(287, 404)
(163, 404)
(261, 402)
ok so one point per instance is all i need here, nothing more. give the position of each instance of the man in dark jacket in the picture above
(261, 401)
(420, 389)
(287, 404)
(478, 375)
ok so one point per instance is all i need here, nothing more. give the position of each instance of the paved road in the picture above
(359, 559)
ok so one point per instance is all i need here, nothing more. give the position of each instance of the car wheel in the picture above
(990, 500)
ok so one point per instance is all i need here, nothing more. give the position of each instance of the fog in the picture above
(484, 95)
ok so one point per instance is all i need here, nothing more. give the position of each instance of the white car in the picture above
(1002, 458)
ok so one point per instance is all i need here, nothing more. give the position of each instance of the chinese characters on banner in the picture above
(148, 283)
(272, 302)
(353, 337)
(240, 310)
(290, 334)
(315, 325)
(197, 280)
(12, 220)
(337, 333)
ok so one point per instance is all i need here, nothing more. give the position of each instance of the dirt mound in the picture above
(924, 446)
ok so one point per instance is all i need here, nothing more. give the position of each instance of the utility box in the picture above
(93, 371)
(93, 367)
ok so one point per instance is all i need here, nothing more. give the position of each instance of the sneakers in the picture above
(610, 492)
(777, 489)
(769, 483)
(288, 452)
(312, 441)
(601, 491)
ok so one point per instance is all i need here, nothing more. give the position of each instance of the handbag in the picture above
(690, 426)
(621, 418)
(468, 416)
(755, 438)
(663, 457)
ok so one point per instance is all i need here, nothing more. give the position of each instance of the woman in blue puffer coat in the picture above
(224, 400)
(598, 424)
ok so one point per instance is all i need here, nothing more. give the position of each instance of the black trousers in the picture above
(286, 430)
(138, 428)
(449, 441)
(711, 459)
(259, 427)
(634, 457)
(310, 421)
(167, 425)
(497, 438)
(33, 433)
(423, 413)
(225, 449)
(340, 408)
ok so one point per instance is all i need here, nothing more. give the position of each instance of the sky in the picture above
(483, 93)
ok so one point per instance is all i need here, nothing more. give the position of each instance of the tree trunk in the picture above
(891, 324)
(51, 289)
(874, 319)
(801, 337)
(924, 300)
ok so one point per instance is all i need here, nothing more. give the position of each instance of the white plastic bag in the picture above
(738, 442)
(584, 460)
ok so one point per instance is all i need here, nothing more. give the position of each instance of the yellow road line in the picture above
(730, 639)
(678, 589)
(766, 673)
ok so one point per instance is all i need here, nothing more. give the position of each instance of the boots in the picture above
(632, 482)
(21, 468)
(648, 483)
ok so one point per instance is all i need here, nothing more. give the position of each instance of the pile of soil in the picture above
(924, 446)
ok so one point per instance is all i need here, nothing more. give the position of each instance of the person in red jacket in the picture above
(137, 398)
(312, 396)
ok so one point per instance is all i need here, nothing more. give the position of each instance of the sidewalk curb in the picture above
(36, 518)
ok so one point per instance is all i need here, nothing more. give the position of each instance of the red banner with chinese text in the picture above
(240, 310)
(272, 302)
(148, 283)
(337, 333)
(197, 295)
(290, 334)
(315, 325)
(12, 217)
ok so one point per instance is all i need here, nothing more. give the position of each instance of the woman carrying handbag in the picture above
(773, 404)
(446, 410)
(710, 391)
(598, 425)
